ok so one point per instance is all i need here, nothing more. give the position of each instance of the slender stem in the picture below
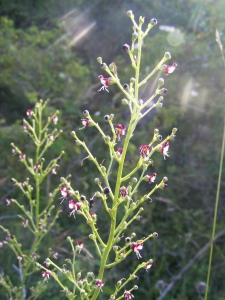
(215, 213)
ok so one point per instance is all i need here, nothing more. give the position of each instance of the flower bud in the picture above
(135, 287)
(130, 13)
(134, 36)
(106, 118)
(160, 99)
(126, 86)
(153, 22)
(155, 234)
(127, 239)
(104, 66)
(125, 48)
(134, 180)
(133, 234)
(91, 236)
(174, 130)
(160, 82)
(82, 198)
(140, 102)
(159, 138)
(125, 102)
(132, 80)
(98, 194)
(86, 112)
(163, 91)
(106, 190)
(141, 20)
(111, 117)
(97, 180)
(172, 137)
(99, 59)
(107, 139)
(159, 105)
(115, 248)
(165, 179)
(167, 55)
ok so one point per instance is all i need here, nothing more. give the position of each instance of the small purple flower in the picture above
(120, 130)
(80, 245)
(25, 223)
(137, 247)
(25, 127)
(30, 113)
(22, 157)
(55, 119)
(85, 122)
(105, 83)
(164, 149)
(8, 201)
(151, 178)
(128, 295)
(170, 69)
(64, 192)
(75, 206)
(46, 275)
(145, 150)
(36, 167)
(123, 191)
(55, 255)
(99, 284)
(148, 266)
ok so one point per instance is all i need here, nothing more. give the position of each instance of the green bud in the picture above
(98, 194)
(107, 139)
(174, 130)
(167, 55)
(130, 13)
(132, 80)
(155, 234)
(125, 101)
(159, 105)
(140, 102)
(160, 82)
(165, 179)
(104, 66)
(133, 234)
(135, 287)
(141, 20)
(160, 99)
(134, 36)
(111, 117)
(91, 236)
(97, 180)
(134, 180)
(115, 248)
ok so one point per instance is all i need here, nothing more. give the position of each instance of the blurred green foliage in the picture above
(41, 57)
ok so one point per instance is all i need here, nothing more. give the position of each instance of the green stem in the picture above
(215, 213)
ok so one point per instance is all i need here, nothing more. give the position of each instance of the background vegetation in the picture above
(49, 50)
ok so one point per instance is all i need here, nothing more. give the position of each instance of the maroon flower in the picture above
(99, 284)
(105, 83)
(8, 201)
(80, 245)
(25, 127)
(64, 192)
(164, 149)
(55, 255)
(75, 206)
(85, 122)
(30, 113)
(151, 178)
(120, 130)
(46, 275)
(25, 223)
(55, 119)
(36, 167)
(136, 247)
(22, 156)
(23, 183)
(148, 266)
(128, 295)
(164, 186)
(170, 69)
(93, 215)
(123, 191)
(145, 150)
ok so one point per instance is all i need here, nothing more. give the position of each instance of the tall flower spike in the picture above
(164, 149)
(105, 83)
(145, 150)
(120, 130)
(170, 69)
(136, 247)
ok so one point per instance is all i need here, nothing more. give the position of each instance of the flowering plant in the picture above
(115, 197)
